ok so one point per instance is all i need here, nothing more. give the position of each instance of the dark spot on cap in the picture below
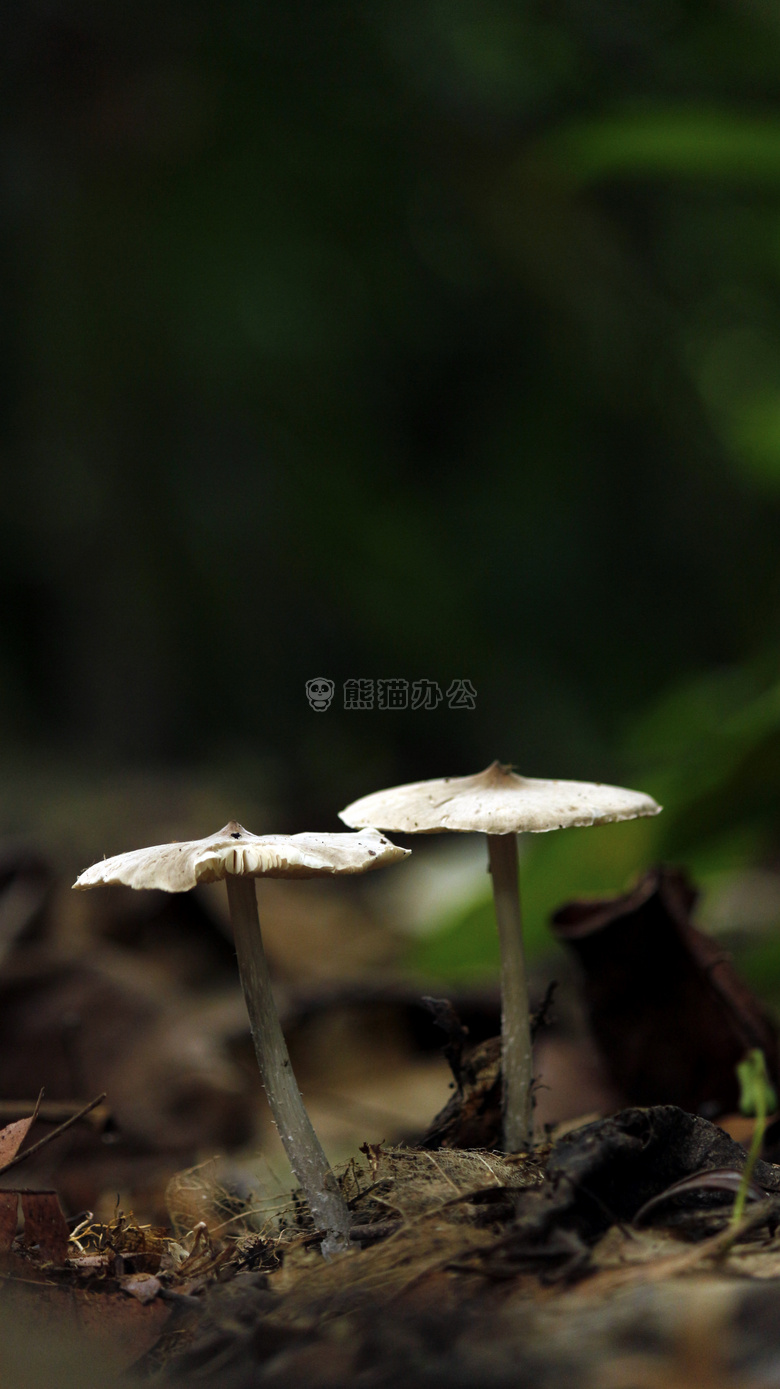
(235, 835)
(372, 853)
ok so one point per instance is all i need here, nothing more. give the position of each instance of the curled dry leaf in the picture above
(669, 1014)
(12, 1137)
(472, 1116)
(726, 1179)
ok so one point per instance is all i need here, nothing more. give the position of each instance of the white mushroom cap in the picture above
(496, 801)
(234, 850)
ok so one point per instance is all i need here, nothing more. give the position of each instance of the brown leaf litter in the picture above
(473, 1116)
(474, 1267)
(476, 1252)
(668, 1012)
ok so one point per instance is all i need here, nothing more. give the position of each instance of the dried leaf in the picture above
(9, 1203)
(44, 1224)
(472, 1116)
(54, 1134)
(142, 1286)
(12, 1137)
(668, 1012)
(726, 1179)
(599, 1176)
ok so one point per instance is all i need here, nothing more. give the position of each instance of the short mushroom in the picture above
(501, 804)
(239, 857)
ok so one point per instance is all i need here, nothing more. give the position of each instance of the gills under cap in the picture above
(236, 851)
(496, 801)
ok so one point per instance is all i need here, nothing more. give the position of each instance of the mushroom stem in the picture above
(304, 1151)
(516, 1055)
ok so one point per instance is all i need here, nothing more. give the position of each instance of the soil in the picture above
(470, 1268)
(492, 1271)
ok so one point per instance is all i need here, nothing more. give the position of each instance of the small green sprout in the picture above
(756, 1097)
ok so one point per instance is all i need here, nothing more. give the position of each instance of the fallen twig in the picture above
(51, 1111)
(55, 1133)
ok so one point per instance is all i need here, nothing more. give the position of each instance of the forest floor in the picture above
(470, 1268)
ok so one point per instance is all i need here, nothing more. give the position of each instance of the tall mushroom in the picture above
(501, 804)
(239, 857)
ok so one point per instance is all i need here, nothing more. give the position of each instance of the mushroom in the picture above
(501, 804)
(239, 857)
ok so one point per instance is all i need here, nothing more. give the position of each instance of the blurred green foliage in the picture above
(710, 753)
(425, 340)
(554, 867)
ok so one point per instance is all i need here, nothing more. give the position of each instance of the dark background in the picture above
(423, 340)
(427, 340)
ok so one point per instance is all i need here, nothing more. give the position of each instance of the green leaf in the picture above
(671, 142)
(756, 1093)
